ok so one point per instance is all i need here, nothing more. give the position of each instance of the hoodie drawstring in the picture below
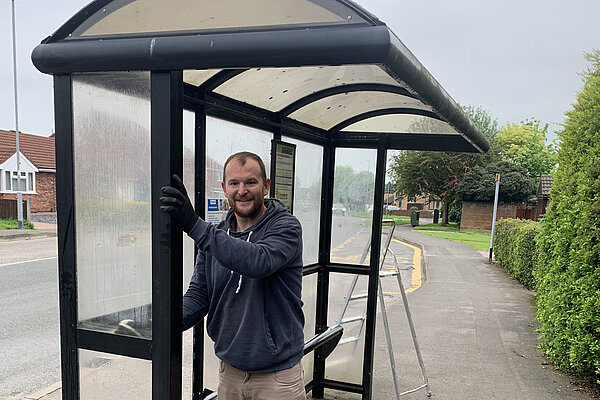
(240, 280)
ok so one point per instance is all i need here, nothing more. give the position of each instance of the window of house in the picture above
(11, 181)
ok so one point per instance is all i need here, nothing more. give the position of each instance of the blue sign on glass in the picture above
(213, 204)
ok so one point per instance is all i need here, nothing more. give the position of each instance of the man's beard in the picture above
(253, 212)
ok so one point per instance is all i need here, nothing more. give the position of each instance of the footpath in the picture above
(476, 329)
(475, 325)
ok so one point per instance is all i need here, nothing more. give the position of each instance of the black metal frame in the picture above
(65, 213)
(251, 116)
(368, 42)
(168, 100)
(167, 240)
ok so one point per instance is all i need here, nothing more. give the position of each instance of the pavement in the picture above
(475, 326)
(476, 329)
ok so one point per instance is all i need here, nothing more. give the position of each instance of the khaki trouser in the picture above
(235, 384)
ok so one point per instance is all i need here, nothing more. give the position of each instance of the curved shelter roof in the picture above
(326, 67)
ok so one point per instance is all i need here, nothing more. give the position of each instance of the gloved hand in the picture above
(177, 203)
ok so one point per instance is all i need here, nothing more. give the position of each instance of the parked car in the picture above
(339, 209)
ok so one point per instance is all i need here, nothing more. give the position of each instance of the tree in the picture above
(426, 173)
(479, 184)
(356, 188)
(525, 145)
(489, 127)
(567, 272)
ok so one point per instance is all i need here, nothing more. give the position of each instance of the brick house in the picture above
(38, 169)
(542, 198)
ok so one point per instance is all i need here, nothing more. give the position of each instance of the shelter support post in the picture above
(65, 200)
(199, 199)
(167, 240)
(324, 255)
(374, 272)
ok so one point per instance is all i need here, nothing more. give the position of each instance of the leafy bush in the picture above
(514, 248)
(568, 269)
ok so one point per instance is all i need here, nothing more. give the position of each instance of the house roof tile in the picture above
(38, 149)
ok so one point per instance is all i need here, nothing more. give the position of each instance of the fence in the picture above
(8, 209)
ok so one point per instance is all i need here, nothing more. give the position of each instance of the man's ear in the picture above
(266, 187)
(223, 187)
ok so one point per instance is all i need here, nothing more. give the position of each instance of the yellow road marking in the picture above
(416, 274)
(416, 278)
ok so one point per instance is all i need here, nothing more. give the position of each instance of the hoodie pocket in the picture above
(269, 337)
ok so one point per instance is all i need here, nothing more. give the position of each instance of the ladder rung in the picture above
(352, 319)
(349, 340)
(388, 273)
(359, 296)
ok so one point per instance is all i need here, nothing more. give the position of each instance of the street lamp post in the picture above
(19, 194)
(494, 216)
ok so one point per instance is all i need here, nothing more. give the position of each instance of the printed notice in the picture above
(285, 157)
(216, 210)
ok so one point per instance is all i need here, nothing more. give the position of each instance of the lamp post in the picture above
(494, 216)
(19, 194)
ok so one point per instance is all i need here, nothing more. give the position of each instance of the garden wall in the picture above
(478, 216)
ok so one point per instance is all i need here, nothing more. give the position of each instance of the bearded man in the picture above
(247, 280)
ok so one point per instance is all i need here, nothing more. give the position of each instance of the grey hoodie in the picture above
(249, 285)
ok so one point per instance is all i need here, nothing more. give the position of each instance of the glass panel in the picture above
(224, 138)
(287, 85)
(108, 376)
(30, 181)
(127, 17)
(353, 190)
(7, 180)
(189, 182)
(307, 196)
(328, 112)
(111, 125)
(401, 123)
(198, 77)
(187, 358)
(188, 248)
(346, 362)
(309, 297)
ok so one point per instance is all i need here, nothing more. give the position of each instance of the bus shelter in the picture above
(145, 89)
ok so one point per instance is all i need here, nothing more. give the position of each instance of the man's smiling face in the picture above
(245, 190)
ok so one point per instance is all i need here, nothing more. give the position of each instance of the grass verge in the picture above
(12, 223)
(479, 240)
(369, 217)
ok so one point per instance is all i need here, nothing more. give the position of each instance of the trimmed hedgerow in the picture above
(567, 272)
(514, 248)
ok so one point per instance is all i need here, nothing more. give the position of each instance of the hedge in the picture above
(568, 269)
(514, 248)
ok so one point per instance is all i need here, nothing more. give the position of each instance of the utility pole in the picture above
(19, 194)
(494, 217)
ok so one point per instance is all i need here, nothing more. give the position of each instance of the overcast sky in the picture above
(516, 59)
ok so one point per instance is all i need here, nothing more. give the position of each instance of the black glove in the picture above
(177, 203)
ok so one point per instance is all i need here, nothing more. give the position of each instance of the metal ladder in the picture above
(352, 297)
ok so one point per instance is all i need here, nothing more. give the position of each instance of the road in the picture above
(29, 299)
(29, 327)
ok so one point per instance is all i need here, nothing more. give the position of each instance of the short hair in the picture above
(242, 157)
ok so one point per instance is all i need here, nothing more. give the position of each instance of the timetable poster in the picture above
(285, 159)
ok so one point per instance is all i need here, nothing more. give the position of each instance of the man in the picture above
(247, 281)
